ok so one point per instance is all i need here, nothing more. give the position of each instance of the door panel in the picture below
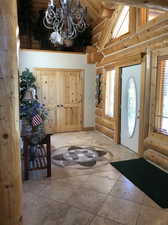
(73, 100)
(130, 106)
(46, 82)
(61, 91)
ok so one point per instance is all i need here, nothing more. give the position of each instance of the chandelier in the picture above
(66, 21)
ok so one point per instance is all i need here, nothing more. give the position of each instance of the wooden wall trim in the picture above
(156, 144)
(155, 54)
(88, 128)
(57, 69)
(144, 111)
(117, 109)
(146, 100)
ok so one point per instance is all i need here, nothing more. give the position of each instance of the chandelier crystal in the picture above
(66, 21)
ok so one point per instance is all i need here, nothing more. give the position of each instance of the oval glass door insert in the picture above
(131, 106)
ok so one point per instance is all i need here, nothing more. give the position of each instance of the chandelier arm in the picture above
(46, 25)
(66, 21)
(81, 26)
(50, 14)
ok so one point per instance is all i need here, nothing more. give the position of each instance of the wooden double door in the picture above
(61, 90)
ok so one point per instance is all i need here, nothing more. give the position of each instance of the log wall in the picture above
(134, 48)
(10, 171)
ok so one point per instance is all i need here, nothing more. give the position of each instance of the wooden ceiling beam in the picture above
(153, 4)
(108, 4)
(105, 12)
(92, 12)
(106, 32)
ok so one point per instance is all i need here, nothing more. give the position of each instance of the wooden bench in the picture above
(42, 158)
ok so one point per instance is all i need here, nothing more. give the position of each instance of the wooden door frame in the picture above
(145, 62)
(82, 74)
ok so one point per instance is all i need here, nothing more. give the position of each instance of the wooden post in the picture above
(10, 171)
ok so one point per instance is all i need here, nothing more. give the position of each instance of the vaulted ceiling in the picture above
(32, 30)
(97, 9)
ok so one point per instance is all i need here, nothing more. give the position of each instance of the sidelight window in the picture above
(110, 83)
(161, 112)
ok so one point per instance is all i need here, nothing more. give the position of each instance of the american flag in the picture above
(36, 120)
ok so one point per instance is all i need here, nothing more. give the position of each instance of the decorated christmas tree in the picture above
(32, 112)
(27, 80)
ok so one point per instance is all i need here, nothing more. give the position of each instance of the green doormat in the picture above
(150, 179)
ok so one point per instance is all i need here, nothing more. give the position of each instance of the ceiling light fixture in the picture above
(66, 21)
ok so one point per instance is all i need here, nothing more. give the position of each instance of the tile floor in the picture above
(96, 196)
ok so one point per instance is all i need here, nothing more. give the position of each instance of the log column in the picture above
(10, 171)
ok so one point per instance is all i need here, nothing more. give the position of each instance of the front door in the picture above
(130, 106)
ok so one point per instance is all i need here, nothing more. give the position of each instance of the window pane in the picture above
(164, 124)
(131, 106)
(122, 25)
(153, 13)
(109, 109)
(161, 117)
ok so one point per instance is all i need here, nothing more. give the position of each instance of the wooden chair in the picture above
(42, 158)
